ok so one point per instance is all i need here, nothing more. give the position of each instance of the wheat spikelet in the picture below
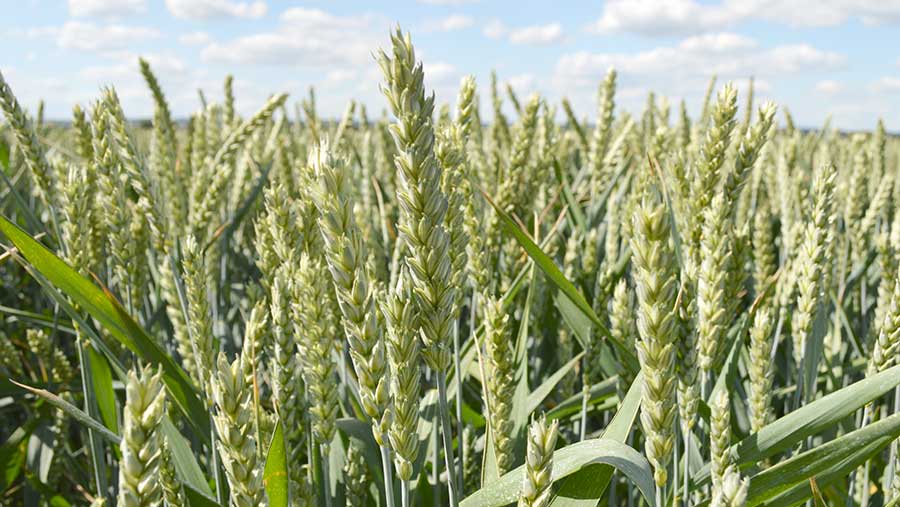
(347, 258)
(538, 463)
(500, 383)
(403, 353)
(234, 430)
(656, 285)
(760, 368)
(312, 327)
(145, 403)
(423, 205)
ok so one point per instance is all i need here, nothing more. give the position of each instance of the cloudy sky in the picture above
(815, 56)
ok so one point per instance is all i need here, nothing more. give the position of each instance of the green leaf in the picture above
(578, 321)
(536, 397)
(103, 307)
(808, 420)
(567, 461)
(75, 412)
(275, 476)
(812, 354)
(815, 417)
(198, 499)
(11, 461)
(228, 228)
(4, 154)
(729, 369)
(101, 378)
(574, 208)
(362, 433)
(599, 392)
(50, 321)
(546, 264)
(185, 462)
(620, 427)
(36, 492)
(12, 453)
(84, 327)
(41, 450)
(825, 462)
(471, 416)
(586, 488)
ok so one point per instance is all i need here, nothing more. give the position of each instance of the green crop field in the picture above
(424, 307)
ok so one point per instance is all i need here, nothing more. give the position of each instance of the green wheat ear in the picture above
(814, 259)
(423, 204)
(403, 354)
(145, 405)
(234, 431)
(733, 489)
(347, 259)
(35, 154)
(313, 327)
(760, 369)
(501, 381)
(542, 436)
(657, 285)
(172, 488)
(720, 438)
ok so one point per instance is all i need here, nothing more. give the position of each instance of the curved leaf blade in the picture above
(110, 313)
(808, 420)
(275, 476)
(546, 264)
(101, 378)
(185, 462)
(835, 458)
(73, 411)
(586, 487)
(567, 461)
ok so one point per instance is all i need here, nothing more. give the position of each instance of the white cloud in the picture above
(529, 35)
(166, 66)
(341, 76)
(211, 9)
(658, 17)
(319, 20)
(798, 57)
(798, 12)
(106, 8)
(194, 39)
(30, 89)
(682, 17)
(494, 29)
(829, 87)
(691, 62)
(722, 42)
(440, 74)
(90, 37)
(179, 82)
(537, 35)
(35, 32)
(305, 37)
(449, 24)
(888, 84)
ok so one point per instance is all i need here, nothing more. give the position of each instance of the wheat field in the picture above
(422, 307)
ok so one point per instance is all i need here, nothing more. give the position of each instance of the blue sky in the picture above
(815, 56)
